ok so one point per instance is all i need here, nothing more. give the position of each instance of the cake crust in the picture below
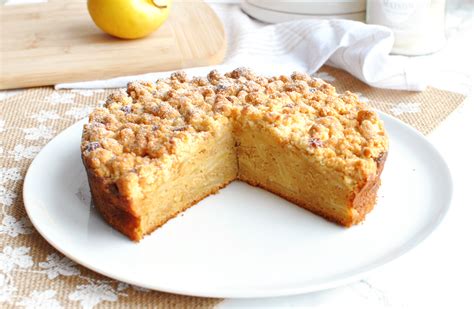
(115, 209)
(132, 144)
(364, 201)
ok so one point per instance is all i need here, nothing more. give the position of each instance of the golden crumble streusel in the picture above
(139, 131)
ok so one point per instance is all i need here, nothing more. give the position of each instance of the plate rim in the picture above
(403, 250)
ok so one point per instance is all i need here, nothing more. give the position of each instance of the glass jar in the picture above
(418, 25)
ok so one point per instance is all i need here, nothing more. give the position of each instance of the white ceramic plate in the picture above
(313, 7)
(273, 16)
(243, 241)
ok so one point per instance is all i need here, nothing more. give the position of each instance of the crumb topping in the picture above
(139, 131)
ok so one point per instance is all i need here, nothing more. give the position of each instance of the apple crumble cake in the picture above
(155, 149)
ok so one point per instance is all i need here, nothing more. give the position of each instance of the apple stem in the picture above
(159, 5)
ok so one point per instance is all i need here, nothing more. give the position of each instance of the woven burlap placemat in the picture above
(32, 273)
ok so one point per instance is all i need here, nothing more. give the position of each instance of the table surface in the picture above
(438, 273)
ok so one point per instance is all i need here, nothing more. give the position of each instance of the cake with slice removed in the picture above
(155, 149)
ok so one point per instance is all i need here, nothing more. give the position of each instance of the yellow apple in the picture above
(129, 19)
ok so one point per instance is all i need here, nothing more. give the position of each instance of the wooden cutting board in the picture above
(47, 43)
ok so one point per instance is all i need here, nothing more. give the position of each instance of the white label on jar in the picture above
(399, 14)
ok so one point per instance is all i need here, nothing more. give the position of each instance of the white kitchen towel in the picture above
(305, 45)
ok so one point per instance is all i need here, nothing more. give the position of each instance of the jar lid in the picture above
(271, 16)
(311, 7)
